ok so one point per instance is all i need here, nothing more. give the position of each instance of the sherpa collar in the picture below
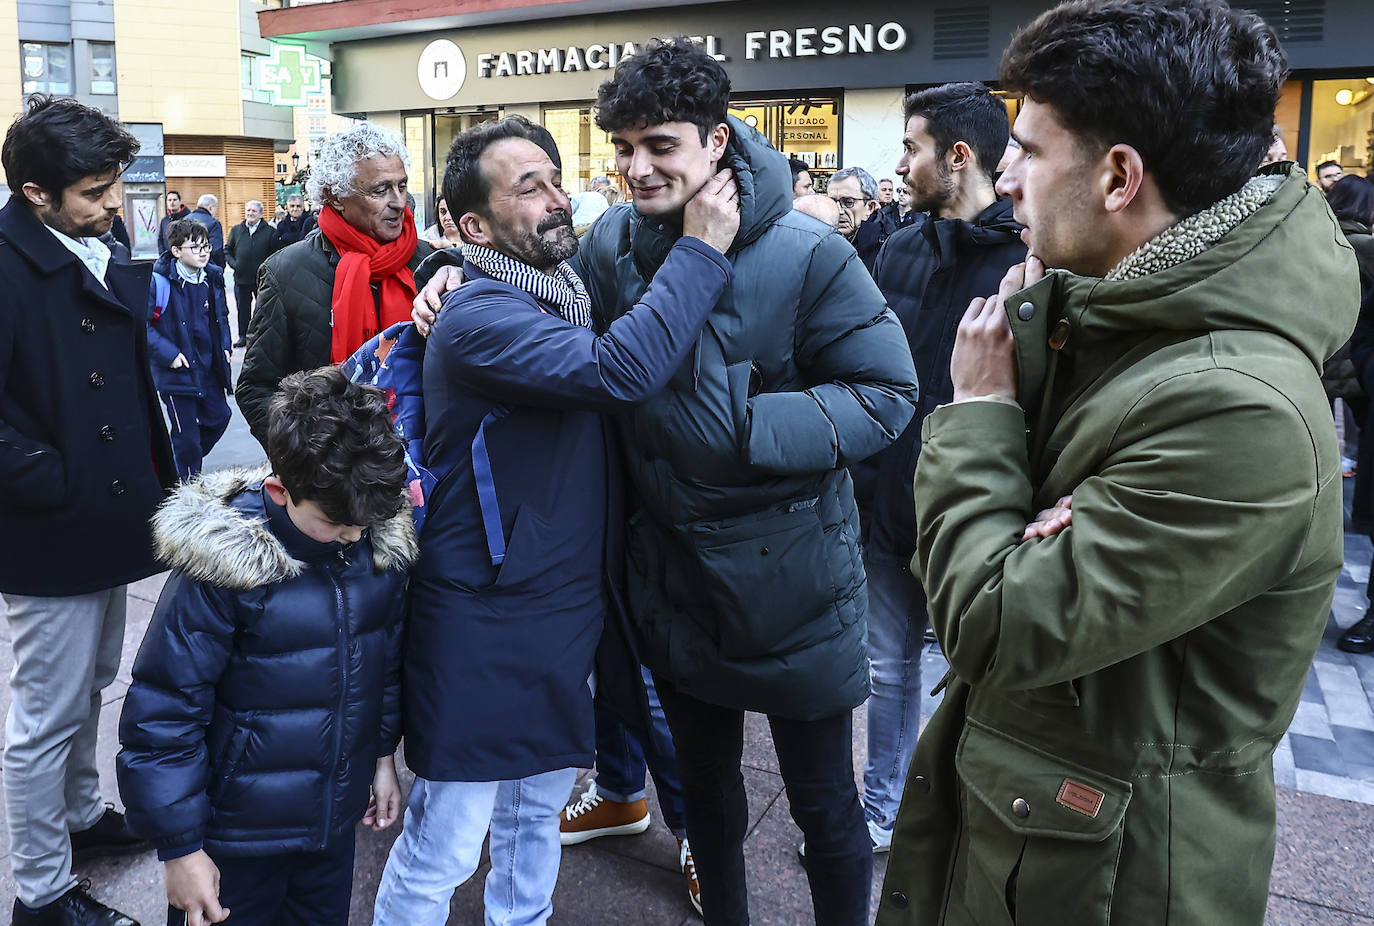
(1189, 237)
(201, 530)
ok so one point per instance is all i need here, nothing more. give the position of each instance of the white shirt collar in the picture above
(92, 252)
(187, 275)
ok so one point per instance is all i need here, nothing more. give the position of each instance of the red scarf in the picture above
(364, 260)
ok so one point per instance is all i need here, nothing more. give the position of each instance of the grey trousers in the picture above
(65, 651)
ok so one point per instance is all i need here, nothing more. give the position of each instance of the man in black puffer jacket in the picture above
(929, 274)
(266, 695)
(745, 582)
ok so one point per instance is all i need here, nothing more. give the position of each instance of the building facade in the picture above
(824, 81)
(185, 67)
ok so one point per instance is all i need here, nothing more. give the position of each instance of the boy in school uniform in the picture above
(266, 694)
(188, 338)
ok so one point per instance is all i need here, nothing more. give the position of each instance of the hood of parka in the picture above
(1286, 268)
(765, 195)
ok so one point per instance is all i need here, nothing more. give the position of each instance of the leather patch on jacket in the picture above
(1077, 796)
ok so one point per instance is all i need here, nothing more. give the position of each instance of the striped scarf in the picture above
(562, 289)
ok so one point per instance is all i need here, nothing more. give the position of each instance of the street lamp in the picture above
(295, 162)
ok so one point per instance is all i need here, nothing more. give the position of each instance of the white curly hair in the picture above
(333, 173)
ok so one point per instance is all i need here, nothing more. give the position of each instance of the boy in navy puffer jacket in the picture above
(266, 695)
(188, 342)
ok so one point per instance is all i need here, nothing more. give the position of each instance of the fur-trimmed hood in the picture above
(198, 530)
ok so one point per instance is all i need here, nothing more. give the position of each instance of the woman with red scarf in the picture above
(324, 296)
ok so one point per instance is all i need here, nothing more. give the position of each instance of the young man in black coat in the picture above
(84, 461)
(928, 274)
(176, 209)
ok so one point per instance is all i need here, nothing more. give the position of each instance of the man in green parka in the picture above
(1103, 754)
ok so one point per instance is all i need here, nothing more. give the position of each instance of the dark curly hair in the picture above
(963, 112)
(666, 81)
(331, 441)
(57, 141)
(1352, 198)
(1190, 84)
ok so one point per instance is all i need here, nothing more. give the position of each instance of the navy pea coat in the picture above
(84, 454)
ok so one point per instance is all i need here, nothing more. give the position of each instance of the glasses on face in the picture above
(196, 248)
(849, 202)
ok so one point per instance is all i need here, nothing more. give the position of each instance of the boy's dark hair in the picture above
(798, 168)
(465, 186)
(1190, 84)
(963, 112)
(672, 81)
(331, 441)
(186, 230)
(176, 193)
(57, 141)
(1325, 164)
(1352, 198)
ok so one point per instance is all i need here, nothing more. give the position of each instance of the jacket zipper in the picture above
(341, 650)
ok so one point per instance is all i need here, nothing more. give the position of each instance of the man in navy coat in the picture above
(508, 598)
(84, 460)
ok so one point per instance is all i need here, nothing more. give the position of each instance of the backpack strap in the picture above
(162, 294)
(486, 487)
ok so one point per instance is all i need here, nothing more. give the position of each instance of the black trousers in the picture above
(817, 765)
(243, 295)
(290, 889)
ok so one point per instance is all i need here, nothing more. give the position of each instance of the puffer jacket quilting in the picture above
(268, 682)
(745, 580)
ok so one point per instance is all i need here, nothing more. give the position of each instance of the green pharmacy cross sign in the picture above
(290, 74)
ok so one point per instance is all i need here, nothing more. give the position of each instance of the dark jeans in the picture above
(196, 425)
(290, 889)
(243, 296)
(621, 761)
(817, 765)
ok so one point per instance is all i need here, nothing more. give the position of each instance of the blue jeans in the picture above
(621, 762)
(896, 625)
(441, 845)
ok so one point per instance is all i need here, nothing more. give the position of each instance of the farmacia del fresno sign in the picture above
(854, 39)
(443, 66)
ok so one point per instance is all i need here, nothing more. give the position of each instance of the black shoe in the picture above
(241, 342)
(1359, 638)
(74, 908)
(110, 835)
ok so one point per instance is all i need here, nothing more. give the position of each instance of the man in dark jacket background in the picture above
(955, 135)
(84, 460)
(176, 209)
(508, 600)
(250, 243)
(297, 224)
(206, 213)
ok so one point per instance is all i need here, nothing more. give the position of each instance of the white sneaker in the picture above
(881, 837)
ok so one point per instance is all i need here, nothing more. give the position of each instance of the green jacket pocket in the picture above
(1043, 834)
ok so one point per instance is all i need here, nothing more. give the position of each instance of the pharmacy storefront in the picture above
(823, 81)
